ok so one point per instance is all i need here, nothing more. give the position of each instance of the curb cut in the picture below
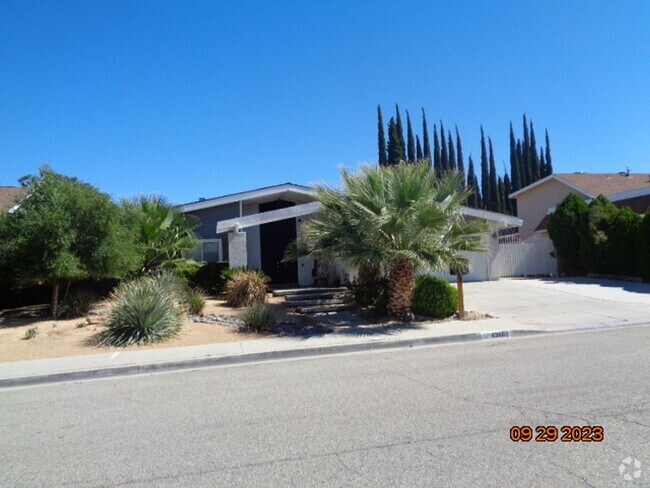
(210, 361)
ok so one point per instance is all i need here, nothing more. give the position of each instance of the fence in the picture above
(534, 256)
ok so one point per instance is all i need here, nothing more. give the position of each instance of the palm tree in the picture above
(400, 220)
(165, 234)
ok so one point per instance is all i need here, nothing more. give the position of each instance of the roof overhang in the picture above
(549, 178)
(286, 190)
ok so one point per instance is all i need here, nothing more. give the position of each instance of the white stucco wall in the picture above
(305, 265)
(253, 238)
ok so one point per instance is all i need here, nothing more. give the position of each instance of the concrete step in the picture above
(325, 308)
(313, 296)
(302, 291)
(306, 303)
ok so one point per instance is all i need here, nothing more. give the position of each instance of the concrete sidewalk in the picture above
(521, 307)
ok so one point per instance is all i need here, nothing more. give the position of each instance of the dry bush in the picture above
(245, 287)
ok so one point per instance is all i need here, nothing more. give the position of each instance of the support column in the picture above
(237, 254)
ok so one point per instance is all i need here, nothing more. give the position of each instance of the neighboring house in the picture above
(9, 195)
(254, 228)
(536, 201)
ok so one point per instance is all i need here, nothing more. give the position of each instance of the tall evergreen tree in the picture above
(494, 187)
(437, 158)
(507, 184)
(460, 165)
(381, 138)
(451, 153)
(514, 161)
(425, 137)
(395, 149)
(479, 197)
(410, 145)
(418, 149)
(501, 195)
(533, 159)
(549, 162)
(525, 157)
(400, 129)
(485, 173)
(444, 155)
(472, 201)
(542, 163)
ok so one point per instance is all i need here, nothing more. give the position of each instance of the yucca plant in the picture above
(148, 309)
(245, 287)
(258, 317)
(394, 219)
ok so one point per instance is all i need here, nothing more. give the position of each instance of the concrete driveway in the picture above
(552, 302)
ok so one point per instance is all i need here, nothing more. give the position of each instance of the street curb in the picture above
(197, 363)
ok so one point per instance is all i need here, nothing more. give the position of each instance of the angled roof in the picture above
(594, 184)
(266, 191)
(8, 196)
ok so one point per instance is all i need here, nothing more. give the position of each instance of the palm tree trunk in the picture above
(461, 296)
(401, 288)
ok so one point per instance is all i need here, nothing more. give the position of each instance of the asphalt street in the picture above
(428, 416)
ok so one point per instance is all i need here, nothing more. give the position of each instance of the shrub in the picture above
(434, 297)
(77, 303)
(258, 317)
(30, 333)
(567, 227)
(186, 268)
(211, 277)
(145, 310)
(371, 293)
(246, 287)
(195, 300)
(643, 247)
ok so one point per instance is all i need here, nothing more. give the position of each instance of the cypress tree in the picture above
(514, 161)
(533, 159)
(395, 149)
(494, 187)
(542, 163)
(444, 155)
(549, 162)
(410, 145)
(507, 184)
(501, 195)
(479, 197)
(400, 130)
(437, 163)
(525, 160)
(425, 137)
(418, 149)
(452, 152)
(471, 200)
(485, 173)
(381, 138)
(459, 155)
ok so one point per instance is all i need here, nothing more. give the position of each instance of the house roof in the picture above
(594, 184)
(265, 192)
(8, 196)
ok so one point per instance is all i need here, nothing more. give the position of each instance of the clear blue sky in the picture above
(191, 99)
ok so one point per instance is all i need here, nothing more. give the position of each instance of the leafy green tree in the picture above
(410, 148)
(165, 235)
(425, 137)
(381, 139)
(567, 228)
(65, 230)
(395, 149)
(396, 219)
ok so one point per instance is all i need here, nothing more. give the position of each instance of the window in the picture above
(208, 251)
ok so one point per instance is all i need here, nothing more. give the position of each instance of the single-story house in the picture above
(536, 201)
(253, 229)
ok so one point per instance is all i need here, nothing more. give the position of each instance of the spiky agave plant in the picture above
(148, 309)
(397, 219)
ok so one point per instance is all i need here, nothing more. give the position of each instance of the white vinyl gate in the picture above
(534, 256)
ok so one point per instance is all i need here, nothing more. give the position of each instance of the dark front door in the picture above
(274, 239)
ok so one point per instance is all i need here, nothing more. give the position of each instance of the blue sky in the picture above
(197, 99)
